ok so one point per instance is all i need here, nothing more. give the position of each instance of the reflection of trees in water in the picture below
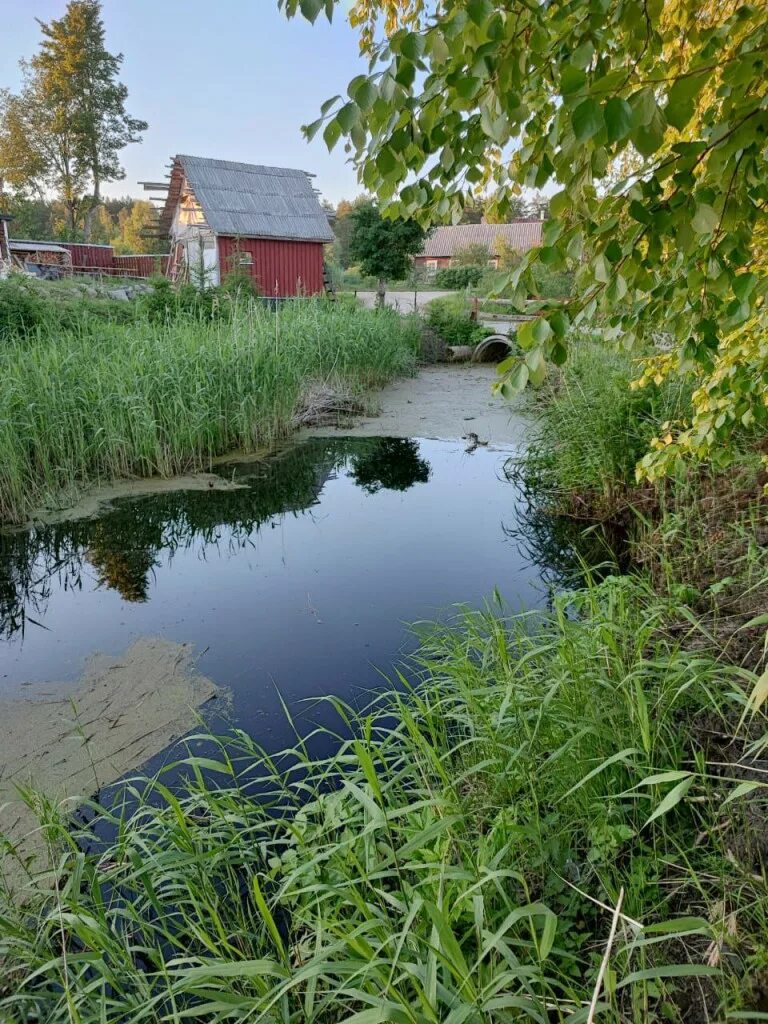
(124, 543)
(392, 463)
(563, 548)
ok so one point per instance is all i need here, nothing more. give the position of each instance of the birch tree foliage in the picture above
(465, 95)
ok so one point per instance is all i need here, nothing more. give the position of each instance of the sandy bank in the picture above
(70, 742)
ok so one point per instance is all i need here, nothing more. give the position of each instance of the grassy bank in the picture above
(702, 534)
(460, 860)
(104, 399)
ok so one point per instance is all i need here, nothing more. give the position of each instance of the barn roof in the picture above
(252, 201)
(521, 235)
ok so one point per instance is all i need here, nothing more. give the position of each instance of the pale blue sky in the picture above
(232, 79)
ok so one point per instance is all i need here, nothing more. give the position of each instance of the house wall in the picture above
(280, 268)
(431, 264)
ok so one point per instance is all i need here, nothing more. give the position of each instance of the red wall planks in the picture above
(90, 257)
(140, 266)
(102, 259)
(281, 268)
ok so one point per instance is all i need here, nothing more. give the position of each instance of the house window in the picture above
(431, 268)
(244, 259)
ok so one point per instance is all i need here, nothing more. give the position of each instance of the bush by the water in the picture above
(456, 278)
(166, 394)
(459, 859)
(593, 429)
(450, 319)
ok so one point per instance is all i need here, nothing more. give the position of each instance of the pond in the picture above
(298, 584)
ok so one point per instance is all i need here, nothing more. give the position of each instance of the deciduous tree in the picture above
(384, 247)
(477, 93)
(66, 129)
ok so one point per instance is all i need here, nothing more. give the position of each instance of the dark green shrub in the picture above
(459, 277)
(552, 284)
(239, 284)
(450, 319)
(169, 303)
(22, 310)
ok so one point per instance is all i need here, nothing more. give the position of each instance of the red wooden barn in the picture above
(223, 216)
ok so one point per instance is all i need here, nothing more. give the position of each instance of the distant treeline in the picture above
(117, 222)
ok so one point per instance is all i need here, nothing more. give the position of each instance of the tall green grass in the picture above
(103, 400)
(459, 859)
(592, 429)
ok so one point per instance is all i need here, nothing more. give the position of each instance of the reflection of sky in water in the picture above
(304, 602)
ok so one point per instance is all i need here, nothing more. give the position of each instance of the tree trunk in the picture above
(88, 225)
(381, 293)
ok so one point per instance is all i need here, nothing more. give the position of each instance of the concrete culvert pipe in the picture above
(492, 349)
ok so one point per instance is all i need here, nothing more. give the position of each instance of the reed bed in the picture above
(106, 400)
(529, 831)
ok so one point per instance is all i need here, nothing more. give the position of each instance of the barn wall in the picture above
(280, 268)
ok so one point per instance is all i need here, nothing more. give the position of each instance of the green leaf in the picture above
(406, 73)
(587, 120)
(479, 11)
(326, 107)
(672, 799)
(364, 93)
(601, 269)
(347, 116)
(618, 119)
(643, 105)
(559, 353)
(412, 46)
(332, 133)
(311, 8)
(386, 161)
(537, 366)
(541, 331)
(681, 99)
(743, 789)
(648, 137)
(572, 80)
(704, 220)
(558, 321)
(515, 381)
(311, 130)
(582, 55)
(743, 285)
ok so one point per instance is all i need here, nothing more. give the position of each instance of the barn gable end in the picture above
(266, 221)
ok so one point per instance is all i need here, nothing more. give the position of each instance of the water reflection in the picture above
(563, 547)
(123, 545)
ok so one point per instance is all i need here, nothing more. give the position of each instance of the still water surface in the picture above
(300, 584)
